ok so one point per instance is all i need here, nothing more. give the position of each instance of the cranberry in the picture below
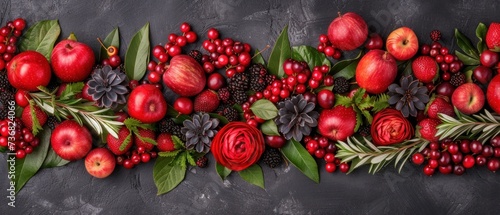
(418, 158)
(128, 164)
(488, 58)
(458, 170)
(453, 148)
(465, 146)
(429, 171)
(496, 152)
(19, 24)
(447, 169)
(487, 151)
(493, 164)
(480, 160)
(468, 161)
(457, 158)
(212, 34)
(312, 146)
(433, 163)
(444, 159)
(476, 147)
(191, 37)
(425, 49)
(344, 167)
(320, 153)
(20, 154)
(330, 167)
(435, 154)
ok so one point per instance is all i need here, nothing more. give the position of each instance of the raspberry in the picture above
(457, 79)
(202, 162)
(435, 35)
(224, 94)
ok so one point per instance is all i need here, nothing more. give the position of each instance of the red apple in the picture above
(402, 43)
(185, 76)
(147, 104)
(493, 93)
(348, 31)
(100, 162)
(71, 141)
(376, 71)
(28, 70)
(468, 98)
(72, 61)
(275, 141)
(337, 123)
(183, 105)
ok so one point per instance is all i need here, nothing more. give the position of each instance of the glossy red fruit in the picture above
(326, 99)
(72, 61)
(375, 41)
(418, 158)
(124, 138)
(27, 119)
(275, 141)
(482, 74)
(337, 123)
(348, 31)
(425, 69)
(28, 70)
(145, 138)
(330, 167)
(493, 36)
(468, 161)
(207, 101)
(185, 76)
(22, 98)
(183, 105)
(488, 58)
(165, 143)
(493, 94)
(468, 98)
(147, 104)
(428, 129)
(100, 162)
(216, 81)
(376, 70)
(71, 141)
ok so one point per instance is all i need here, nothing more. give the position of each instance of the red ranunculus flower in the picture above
(238, 146)
(390, 127)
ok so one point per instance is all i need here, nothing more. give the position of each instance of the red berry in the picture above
(329, 157)
(494, 164)
(19, 24)
(418, 158)
(185, 27)
(154, 77)
(468, 161)
(212, 34)
(429, 171)
(330, 167)
(320, 153)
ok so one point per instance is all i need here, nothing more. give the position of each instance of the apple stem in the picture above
(340, 15)
(102, 44)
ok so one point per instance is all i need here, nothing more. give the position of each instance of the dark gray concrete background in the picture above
(70, 190)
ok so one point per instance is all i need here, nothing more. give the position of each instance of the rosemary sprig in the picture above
(68, 106)
(364, 152)
(483, 126)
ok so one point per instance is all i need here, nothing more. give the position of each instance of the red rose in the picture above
(238, 146)
(390, 127)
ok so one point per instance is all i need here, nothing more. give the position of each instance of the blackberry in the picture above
(4, 82)
(167, 125)
(239, 82)
(5, 97)
(258, 84)
(257, 70)
(435, 35)
(196, 55)
(240, 97)
(341, 85)
(231, 114)
(457, 79)
(364, 130)
(270, 79)
(52, 122)
(272, 157)
(224, 94)
(202, 162)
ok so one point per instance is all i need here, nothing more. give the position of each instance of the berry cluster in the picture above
(24, 141)
(9, 34)
(322, 148)
(113, 59)
(234, 55)
(134, 157)
(327, 48)
(450, 156)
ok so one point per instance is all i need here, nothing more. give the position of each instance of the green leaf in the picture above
(36, 127)
(381, 102)
(178, 144)
(264, 109)
(190, 158)
(310, 55)
(113, 39)
(53, 160)
(126, 142)
(71, 90)
(222, 171)
(167, 174)
(300, 158)
(253, 175)
(29, 166)
(359, 119)
(343, 100)
(346, 68)
(466, 59)
(481, 35)
(269, 128)
(169, 154)
(221, 118)
(406, 67)
(41, 37)
(258, 59)
(137, 56)
(465, 44)
(281, 52)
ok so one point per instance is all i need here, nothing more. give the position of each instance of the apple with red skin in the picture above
(184, 76)
(337, 123)
(71, 141)
(28, 70)
(216, 81)
(482, 74)
(72, 61)
(100, 162)
(468, 98)
(184, 105)
(275, 141)
(493, 93)
(376, 71)
(402, 43)
(348, 32)
(147, 104)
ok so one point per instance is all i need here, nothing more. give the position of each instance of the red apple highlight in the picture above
(337, 123)
(71, 141)
(348, 32)
(72, 61)
(100, 162)
(184, 76)
(28, 70)
(376, 71)
(468, 98)
(402, 43)
(493, 94)
(147, 104)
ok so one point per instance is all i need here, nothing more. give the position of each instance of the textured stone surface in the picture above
(70, 190)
